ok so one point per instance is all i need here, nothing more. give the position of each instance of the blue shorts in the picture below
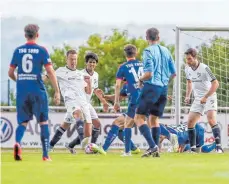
(131, 110)
(152, 100)
(32, 104)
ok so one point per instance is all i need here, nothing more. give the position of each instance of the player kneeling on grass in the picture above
(181, 131)
(73, 85)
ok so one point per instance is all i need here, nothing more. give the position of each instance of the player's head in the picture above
(152, 35)
(31, 31)
(71, 59)
(130, 51)
(191, 57)
(91, 60)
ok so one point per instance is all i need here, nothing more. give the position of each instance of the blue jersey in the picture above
(181, 131)
(29, 59)
(131, 71)
(124, 90)
(158, 60)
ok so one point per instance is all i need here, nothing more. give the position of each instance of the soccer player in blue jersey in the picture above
(118, 124)
(130, 71)
(158, 69)
(31, 98)
(181, 131)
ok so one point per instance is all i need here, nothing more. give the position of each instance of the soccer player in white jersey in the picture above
(91, 60)
(204, 84)
(74, 85)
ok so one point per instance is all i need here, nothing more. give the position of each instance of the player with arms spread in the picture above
(31, 98)
(204, 84)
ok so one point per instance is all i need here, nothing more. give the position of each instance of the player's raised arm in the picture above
(88, 88)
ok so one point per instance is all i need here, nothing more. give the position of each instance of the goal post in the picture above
(212, 44)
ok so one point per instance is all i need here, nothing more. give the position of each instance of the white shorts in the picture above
(72, 107)
(211, 104)
(93, 112)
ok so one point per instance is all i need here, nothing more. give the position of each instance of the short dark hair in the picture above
(152, 34)
(91, 55)
(71, 51)
(192, 52)
(31, 30)
(130, 50)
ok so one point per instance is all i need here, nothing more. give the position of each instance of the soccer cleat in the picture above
(17, 152)
(84, 142)
(71, 150)
(219, 149)
(152, 151)
(174, 142)
(100, 150)
(136, 151)
(47, 159)
(126, 154)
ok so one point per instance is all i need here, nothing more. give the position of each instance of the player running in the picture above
(130, 71)
(31, 97)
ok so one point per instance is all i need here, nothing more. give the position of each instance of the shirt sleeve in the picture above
(148, 61)
(172, 66)
(209, 74)
(186, 73)
(123, 91)
(96, 84)
(14, 62)
(46, 61)
(120, 73)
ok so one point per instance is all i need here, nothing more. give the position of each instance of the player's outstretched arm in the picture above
(52, 76)
(100, 95)
(11, 73)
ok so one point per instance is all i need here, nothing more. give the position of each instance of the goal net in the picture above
(212, 45)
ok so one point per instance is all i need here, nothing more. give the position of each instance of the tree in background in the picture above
(111, 55)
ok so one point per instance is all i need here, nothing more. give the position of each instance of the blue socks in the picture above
(128, 133)
(112, 134)
(145, 131)
(121, 135)
(20, 133)
(45, 139)
(156, 131)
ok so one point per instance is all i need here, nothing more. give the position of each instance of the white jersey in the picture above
(201, 79)
(94, 83)
(72, 84)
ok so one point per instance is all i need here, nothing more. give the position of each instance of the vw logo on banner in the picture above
(6, 129)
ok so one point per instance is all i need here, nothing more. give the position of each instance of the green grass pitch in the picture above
(114, 169)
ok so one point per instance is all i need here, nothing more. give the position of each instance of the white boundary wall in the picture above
(32, 138)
